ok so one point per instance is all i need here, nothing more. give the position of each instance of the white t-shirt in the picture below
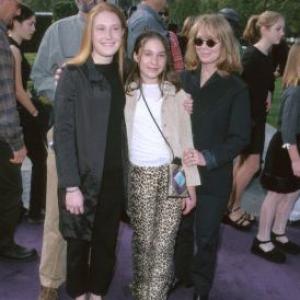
(148, 148)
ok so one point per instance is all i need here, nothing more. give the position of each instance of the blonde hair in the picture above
(86, 42)
(218, 28)
(291, 75)
(252, 32)
(187, 25)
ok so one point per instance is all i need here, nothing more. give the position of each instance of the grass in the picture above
(273, 114)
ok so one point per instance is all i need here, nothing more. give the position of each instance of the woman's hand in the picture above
(296, 167)
(269, 101)
(74, 201)
(188, 204)
(193, 157)
(188, 104)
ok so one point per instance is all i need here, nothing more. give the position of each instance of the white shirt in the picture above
(148, 147)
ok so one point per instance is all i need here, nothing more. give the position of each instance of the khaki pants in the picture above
(53, 257)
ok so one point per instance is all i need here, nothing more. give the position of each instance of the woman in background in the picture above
(281, 173)
(262, 32)
(22, 29)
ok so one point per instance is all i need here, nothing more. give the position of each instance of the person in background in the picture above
(88, 143)
(184, 34)
(12, 148)
(177, 58)
(61, 42)
(145, 18)
(281, 173)
(158, 129)
(22, 28)
(221, 129)
(262, 32)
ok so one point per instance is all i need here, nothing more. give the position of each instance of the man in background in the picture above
(12, 149)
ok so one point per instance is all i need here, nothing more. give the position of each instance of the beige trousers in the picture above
(53, 257)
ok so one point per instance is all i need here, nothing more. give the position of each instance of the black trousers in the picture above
(209, 212)
(90, 265)
(36, 143)
(10, 195)
(184, 248)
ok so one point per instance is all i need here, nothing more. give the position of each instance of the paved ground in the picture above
(251, 200)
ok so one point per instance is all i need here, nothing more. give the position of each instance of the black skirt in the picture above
(277, 175)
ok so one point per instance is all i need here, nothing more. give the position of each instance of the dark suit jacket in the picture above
(82, 107)
(221, 126)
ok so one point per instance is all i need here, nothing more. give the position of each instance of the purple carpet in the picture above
(240, 275)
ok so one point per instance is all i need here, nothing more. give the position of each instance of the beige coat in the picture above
(176, 124)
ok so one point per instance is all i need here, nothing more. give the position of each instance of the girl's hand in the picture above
(296, 167)
(193, 157)
(74, 201)
(188, 204)
(188, 104)
(269, 101)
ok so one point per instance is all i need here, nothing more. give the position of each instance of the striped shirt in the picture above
(10, 129)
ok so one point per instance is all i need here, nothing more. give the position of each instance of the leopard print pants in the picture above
(155, 219)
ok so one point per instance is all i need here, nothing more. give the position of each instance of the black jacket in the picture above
(82, 107)
(221, 126)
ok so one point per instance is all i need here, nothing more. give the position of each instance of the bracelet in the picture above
(72, 190)
(35, 113)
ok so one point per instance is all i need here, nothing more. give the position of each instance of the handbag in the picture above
(177, 187)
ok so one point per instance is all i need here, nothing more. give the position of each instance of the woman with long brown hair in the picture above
(281, 173)
(88, 141)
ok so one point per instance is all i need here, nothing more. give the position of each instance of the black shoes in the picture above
(18, 253)
(178, 283)
(198, 297)
(275, 255)
(289, 247)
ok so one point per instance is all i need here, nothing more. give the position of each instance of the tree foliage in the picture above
(289, 8)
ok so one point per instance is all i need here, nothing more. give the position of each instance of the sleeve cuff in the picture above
(210, 159)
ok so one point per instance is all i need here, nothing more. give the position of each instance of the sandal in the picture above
(275, 255)
(242, 223)
(288, 247)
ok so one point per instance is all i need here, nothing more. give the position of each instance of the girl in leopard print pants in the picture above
(155, 217)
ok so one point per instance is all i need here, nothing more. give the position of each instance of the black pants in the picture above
(184, 248)
(10, 195)
(209, 213)
(90, 265)
(36, 143)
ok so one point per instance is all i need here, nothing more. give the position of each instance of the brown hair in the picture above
(187, 25)
(86, 42)
(218, 28)
(291, 75)
(252, 32)
(167, 75)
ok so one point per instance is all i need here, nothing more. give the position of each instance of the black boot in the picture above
(289, 247)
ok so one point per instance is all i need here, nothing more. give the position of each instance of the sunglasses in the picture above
(163, 13)
(210, 43)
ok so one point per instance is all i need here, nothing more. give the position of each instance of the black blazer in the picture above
(221, 126)
(82, 106)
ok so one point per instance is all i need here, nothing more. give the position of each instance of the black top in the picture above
(112, 160)
(258, 74)
(25, 65)
(220, 124)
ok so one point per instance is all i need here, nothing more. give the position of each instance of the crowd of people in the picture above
(130, 99)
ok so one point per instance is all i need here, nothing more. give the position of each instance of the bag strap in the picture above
(152, 117)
